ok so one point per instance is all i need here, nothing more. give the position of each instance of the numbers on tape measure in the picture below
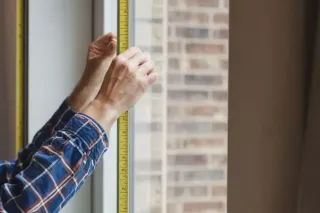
(123, 139)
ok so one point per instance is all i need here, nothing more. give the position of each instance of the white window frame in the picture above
(59, 34)
(105, 177)
(104, 182)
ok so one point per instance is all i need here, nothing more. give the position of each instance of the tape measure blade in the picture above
(123, 121)
(19, 76)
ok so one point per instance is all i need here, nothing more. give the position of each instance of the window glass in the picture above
(181, 124)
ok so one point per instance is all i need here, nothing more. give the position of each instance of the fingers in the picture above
(106, 38)
(139, 59)
(152, 78)
(146, 68)
(129, 53)
(147, 72)
(138, 62)
(111, 49)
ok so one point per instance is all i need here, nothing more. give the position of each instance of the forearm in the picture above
(58, 169)
(57, 122)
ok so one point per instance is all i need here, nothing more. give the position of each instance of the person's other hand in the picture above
(128, 78)
(101, 52)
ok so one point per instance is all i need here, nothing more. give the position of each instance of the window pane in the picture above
(181, 124)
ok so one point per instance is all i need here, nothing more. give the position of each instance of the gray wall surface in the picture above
(59, 34)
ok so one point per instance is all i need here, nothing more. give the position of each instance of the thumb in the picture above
(111, 50)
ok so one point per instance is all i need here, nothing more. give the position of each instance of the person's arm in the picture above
(102, 49)
(57, 122)
(58, 169)
(64, 161)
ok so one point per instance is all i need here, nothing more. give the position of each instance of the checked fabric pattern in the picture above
(49, 171)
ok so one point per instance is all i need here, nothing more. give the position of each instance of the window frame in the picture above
(104, 189)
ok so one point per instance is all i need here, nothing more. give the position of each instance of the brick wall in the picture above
(186, 109)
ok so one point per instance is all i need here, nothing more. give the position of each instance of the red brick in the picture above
(173, 111)
(220, 95)
(145, 177)
(188, 95)
(204, 175)
(173, 3)
(185, 160)
(174, 78)
(191, 127)
(221, 18)
(172, 207)
(174, 47)
(221, 34)
(192, 32)
(199, 207)
(220, 127)
(219, 159)
(205, 48)
(173, 176)
(186, 17)
(198, 64)
(204, 143)
(148, 165)
(201, 110)
(176, 191)
(224, 64)
(202, 80)
(197, 191)
(202, 3)
(226, 3)
(195, 143)
(173, 63)
(219, 191)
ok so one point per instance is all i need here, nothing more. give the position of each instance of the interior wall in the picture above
(266, 105)
(59, 34)
(7, 79)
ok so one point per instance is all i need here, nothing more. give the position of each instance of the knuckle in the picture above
(130, 67)
(135, 49)
(91, 46)
(120, 60)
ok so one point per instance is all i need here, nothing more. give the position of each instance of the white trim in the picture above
(105, 175)
(164, 96)
(59, 34)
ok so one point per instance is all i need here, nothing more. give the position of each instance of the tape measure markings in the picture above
(123, 121)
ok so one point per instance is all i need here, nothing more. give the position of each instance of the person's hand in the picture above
(128, 78)
(101, 52)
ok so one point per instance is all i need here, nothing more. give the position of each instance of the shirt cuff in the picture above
(87, 128)
(61, 117)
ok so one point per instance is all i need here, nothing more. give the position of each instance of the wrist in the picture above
(104, 114)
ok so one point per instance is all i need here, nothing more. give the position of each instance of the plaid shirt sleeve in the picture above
(55, 123)
(58, 165)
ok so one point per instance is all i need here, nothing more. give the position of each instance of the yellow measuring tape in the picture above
(19, 76)
(123, 122)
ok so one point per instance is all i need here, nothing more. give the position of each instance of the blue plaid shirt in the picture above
(49, 171)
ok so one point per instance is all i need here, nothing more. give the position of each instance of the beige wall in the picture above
(7, 79)
(59, 34)
(266, 105)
